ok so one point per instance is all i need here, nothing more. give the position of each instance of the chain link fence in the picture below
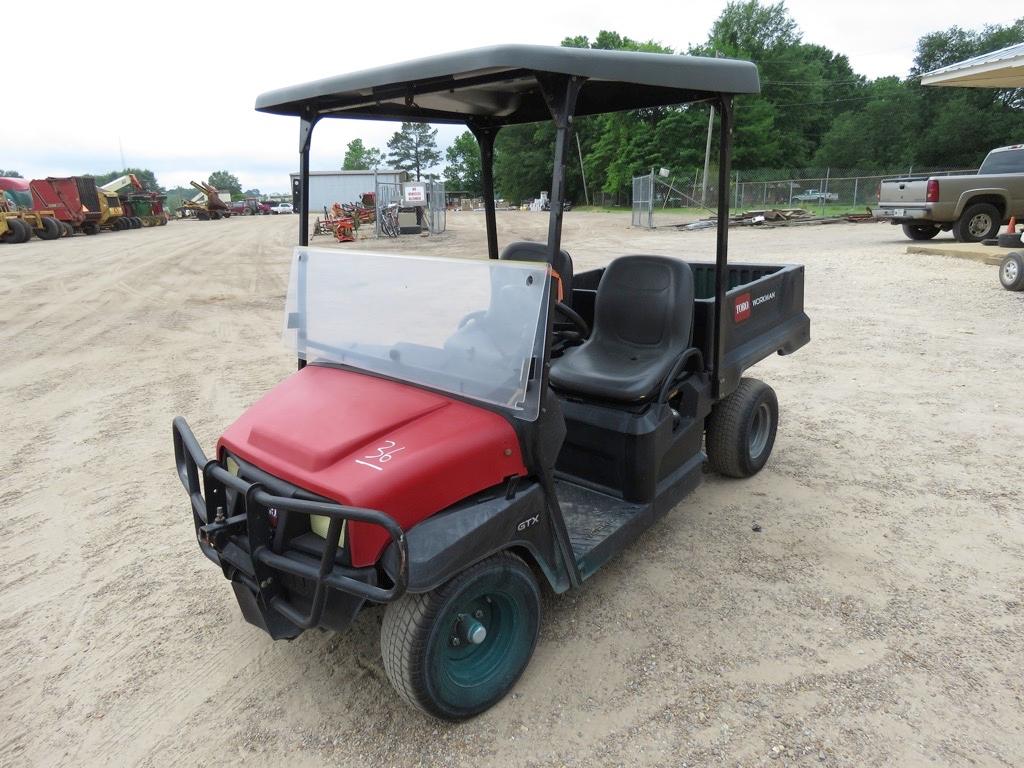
(437, 210)
(821, 190)
(643, 201)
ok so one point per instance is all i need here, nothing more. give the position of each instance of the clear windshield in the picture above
(472, 327)
(18, 198)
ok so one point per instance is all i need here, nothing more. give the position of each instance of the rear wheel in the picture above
(920, 231)
(457, 650)
(90, 228)
(978, 222)
(1011, 272)
(741, 429)
(69, 231)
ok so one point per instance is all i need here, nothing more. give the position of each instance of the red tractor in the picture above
(463, 431)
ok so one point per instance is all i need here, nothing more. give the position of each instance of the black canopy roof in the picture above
(498, 85)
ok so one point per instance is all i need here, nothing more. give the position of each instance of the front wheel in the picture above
(456, 651)
(920, 231)
(1011, 272)
(741, 429)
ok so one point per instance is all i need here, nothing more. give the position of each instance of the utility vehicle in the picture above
(461, 431)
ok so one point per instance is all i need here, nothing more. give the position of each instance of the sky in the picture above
(173, 90)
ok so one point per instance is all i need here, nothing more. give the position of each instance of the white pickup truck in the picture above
(817, 196)
(973, 205)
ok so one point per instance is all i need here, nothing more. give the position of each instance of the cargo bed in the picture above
(764, 313)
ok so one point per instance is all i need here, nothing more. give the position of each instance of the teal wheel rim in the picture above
(467, 674)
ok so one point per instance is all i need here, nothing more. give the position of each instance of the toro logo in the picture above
(741, 308)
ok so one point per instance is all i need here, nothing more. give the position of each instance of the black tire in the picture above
(51, 229)
(136, 222)
(16, 232)
(452, 678)
(1011, 272)
(741, 429)
(90, 228)
(29, 230)
(920, 231)
(978, 222)
(69, 231)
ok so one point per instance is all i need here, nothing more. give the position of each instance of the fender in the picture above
(966, 197)
(466, 533)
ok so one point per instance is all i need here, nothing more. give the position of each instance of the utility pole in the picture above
(707, 158)
(586, 195)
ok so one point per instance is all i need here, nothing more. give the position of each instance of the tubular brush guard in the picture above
(242, 544)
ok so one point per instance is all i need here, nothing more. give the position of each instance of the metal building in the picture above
(329, 187)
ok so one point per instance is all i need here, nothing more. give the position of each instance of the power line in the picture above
(812, 82)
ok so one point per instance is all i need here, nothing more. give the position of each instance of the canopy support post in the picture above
(306, 124)
(560, 93)
(485, 135)
(722, 251)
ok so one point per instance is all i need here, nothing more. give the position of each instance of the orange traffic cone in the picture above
(1012, 226)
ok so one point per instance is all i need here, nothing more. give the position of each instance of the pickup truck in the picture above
(817, 196)
(973, 205)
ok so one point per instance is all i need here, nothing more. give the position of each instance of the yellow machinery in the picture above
(207, 204)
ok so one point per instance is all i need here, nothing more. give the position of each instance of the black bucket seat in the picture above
(643, 318)
(528, 251)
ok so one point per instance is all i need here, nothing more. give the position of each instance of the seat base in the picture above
(630, 451)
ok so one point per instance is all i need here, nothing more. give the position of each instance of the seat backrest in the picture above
(528, 251)
(645, 301)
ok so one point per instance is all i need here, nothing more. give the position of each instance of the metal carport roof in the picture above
(999, 69)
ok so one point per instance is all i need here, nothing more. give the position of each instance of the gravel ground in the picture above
(876, 619)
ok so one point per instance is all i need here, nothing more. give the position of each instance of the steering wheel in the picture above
(569, 337)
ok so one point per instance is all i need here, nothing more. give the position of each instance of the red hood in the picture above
(369, 442)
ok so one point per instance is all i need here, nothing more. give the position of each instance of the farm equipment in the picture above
(74, 200)
(342, 221)
(460, 431)
(18, 222)
(207, 204)
(110, 192)
(146, 207)
(250, 206)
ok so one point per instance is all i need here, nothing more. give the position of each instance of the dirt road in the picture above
(877, 618)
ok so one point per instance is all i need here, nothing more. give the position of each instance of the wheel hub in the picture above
(980, 225)
(1010, 271)
(760, 430)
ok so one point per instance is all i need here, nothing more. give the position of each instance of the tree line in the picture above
(814, 110)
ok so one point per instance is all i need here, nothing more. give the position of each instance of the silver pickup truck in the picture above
(972, 205)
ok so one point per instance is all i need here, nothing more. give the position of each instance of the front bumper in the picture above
(281, 587)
